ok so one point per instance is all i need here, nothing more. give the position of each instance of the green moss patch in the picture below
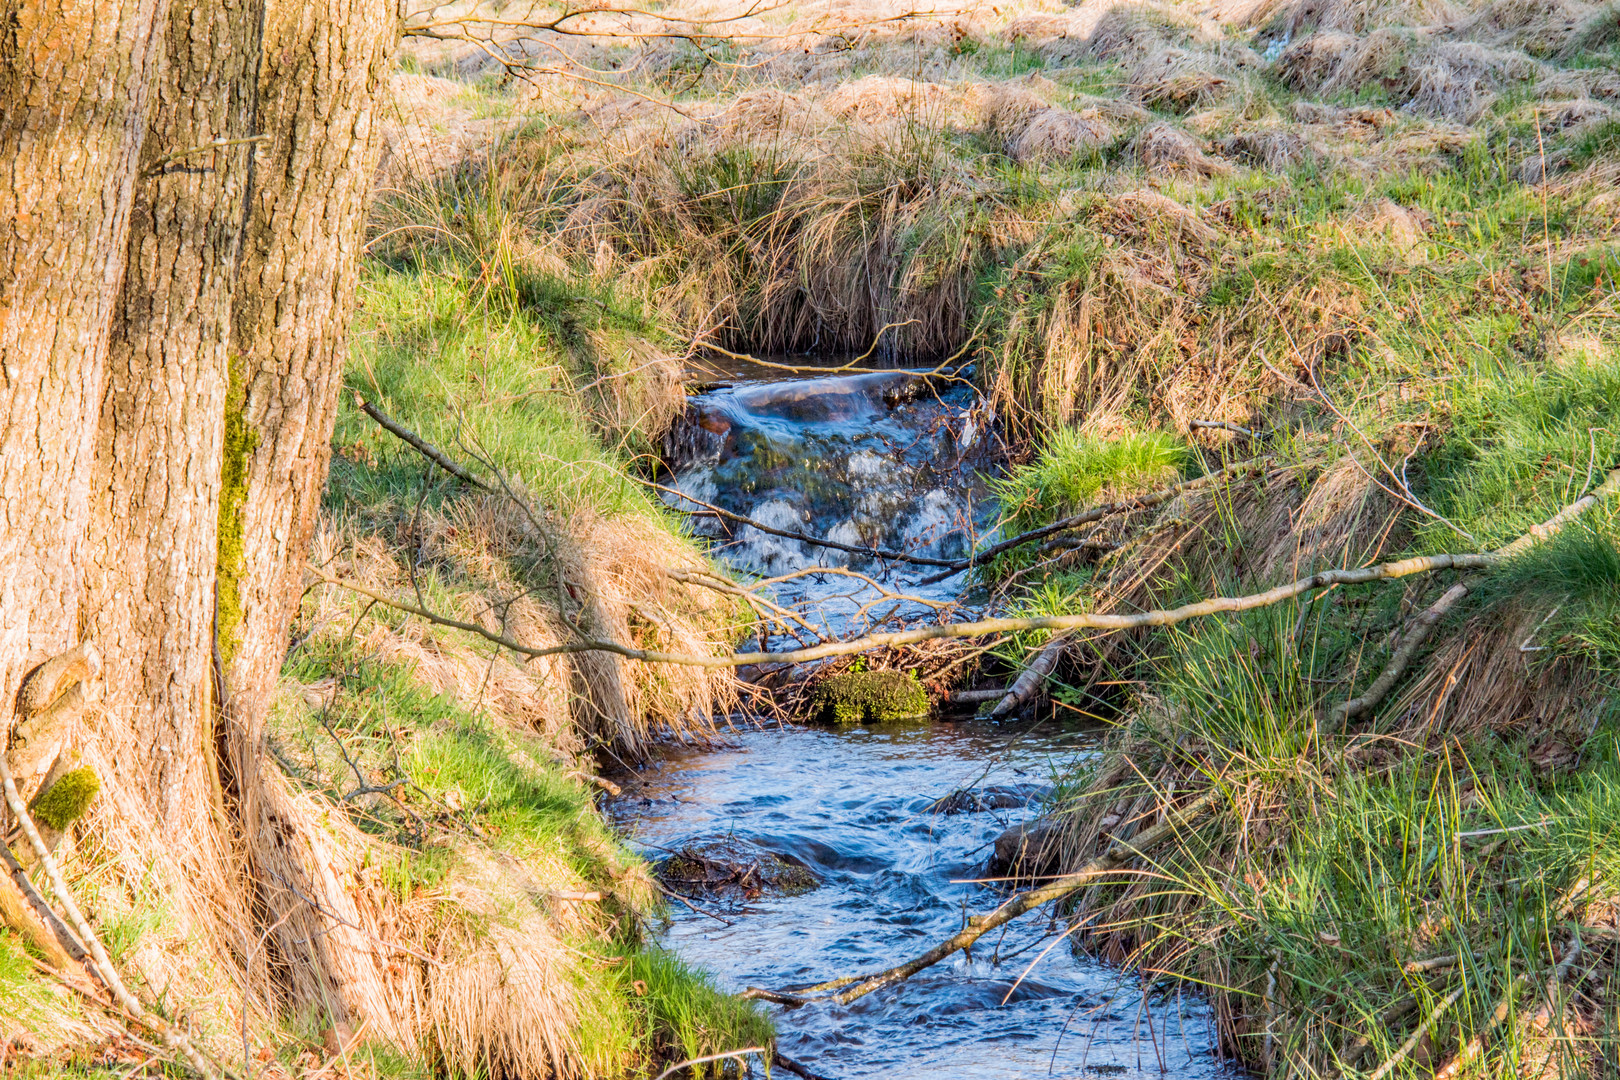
(856, 697)
(65, 801)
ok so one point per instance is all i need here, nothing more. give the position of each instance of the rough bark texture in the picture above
(149, 568)
(73, 88)
(326, 68)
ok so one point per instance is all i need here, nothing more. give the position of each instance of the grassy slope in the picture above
(1456, 317)
(492, 373)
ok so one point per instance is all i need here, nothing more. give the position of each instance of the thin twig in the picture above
(419, 444)
(98, 954)
(679, 1065)
(1096, 513)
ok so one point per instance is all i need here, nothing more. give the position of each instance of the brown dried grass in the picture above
(1277, 148)
(1161, 148)
(1482, 679)
(607, 577)
(1359, 16)
(1033, 130)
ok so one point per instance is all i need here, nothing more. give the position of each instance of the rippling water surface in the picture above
(885, 460)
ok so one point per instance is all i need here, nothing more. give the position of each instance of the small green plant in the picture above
(67, 799)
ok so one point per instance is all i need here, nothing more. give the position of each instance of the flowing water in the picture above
(884, 459)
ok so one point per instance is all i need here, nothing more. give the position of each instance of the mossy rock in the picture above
(66, 800)
(856, 697)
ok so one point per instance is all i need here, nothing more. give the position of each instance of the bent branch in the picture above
(1096, 513)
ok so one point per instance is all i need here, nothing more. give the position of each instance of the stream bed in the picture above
(878, 872)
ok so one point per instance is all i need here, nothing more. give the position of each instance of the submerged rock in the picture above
(1031, 850)
(855, 697)
(732, 868)
(977, 801)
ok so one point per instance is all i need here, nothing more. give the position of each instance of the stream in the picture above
(891, 459)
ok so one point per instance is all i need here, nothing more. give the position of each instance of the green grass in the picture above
(1073, 470)
(451, 764)
(1322, 885)
(477, 379)
(1524, 441)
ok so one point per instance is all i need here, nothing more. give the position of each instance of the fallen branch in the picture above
(679, 1065)
(1426, 622)
(1086, 517)
(980, 628)
(1030, 679)
(1417, 1034)
(1472, 1048)
(1222, 425)
(979, 925)
(794, 1067)
(99, 959)
(1389, 571)
(1414, 639)
(419, 444)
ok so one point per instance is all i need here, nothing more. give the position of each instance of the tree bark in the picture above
(149, 567)
(327, 65)
(73, 102)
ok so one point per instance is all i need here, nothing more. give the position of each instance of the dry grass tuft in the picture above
(604, 578)
(1032, 130)
(1343, 520)
(1358, 16)
(1161, 148)
(1277, 149)
(1459, 80)
(1488, 676)
(1309, 62)
(503, 995)
(1179, 80)
(883, 99)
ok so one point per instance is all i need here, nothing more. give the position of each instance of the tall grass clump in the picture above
(1073, 469)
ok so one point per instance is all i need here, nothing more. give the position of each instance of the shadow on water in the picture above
(884, 459)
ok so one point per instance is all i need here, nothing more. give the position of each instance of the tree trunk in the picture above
(327, 65)
(73, 90)
(153, 537)
(172, 318)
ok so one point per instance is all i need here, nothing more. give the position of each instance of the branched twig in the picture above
(419, 444)
(804, 537)
(1087, 517)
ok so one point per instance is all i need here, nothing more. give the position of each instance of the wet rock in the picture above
(841, 398)
(855, 697)
(698, 434)
(978, 800)
(1030, 850)
(735, 869)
